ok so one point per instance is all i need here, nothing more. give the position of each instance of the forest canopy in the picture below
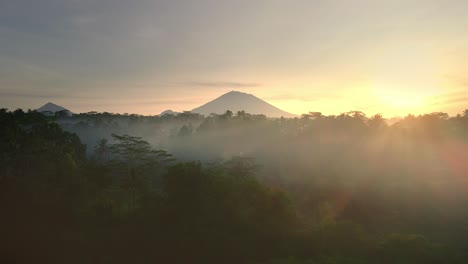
(233, 188)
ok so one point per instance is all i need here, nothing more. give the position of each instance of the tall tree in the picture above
(135, 156)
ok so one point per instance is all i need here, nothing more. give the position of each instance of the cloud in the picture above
(223, 84)
(463, 81)
(304, 98)
(460, 80)
(457, 97)
(41, 95)
(29, 94)
(452, 101)
(83, 20)
(457, 100)
(162, 101)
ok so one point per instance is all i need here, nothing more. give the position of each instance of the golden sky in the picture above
(145, 56)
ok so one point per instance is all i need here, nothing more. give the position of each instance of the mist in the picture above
(417, 157)
(313, 187)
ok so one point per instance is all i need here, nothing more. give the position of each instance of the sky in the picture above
(145, 56)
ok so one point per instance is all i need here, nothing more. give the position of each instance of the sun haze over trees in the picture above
(233, 188)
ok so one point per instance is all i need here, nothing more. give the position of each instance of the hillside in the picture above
(238, 101)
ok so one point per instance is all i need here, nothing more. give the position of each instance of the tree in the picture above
(185, 130)
(357, 115)
(134, 155)
(376, 122)
(62, 114)
(228, 114)
(102, 150)
(465, 113)
(313, 115)
(239, 166)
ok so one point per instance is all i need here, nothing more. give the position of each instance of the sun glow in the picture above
(401, 101)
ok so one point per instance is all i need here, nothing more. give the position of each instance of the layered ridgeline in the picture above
(51, 108)
(237, 101)
(169, 112)
(234, 101)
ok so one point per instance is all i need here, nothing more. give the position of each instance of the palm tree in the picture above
(102, 150)
(377, 121)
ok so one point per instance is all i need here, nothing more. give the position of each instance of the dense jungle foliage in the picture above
(233, 188)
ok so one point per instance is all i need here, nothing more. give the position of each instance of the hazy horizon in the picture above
(346, 141)
(144, 57)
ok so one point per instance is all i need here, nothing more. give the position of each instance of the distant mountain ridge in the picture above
(238, 101)
(168, 112)
(51, 109)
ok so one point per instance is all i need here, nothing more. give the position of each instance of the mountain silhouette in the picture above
(238, 101)
(168, 112)
(51, 109)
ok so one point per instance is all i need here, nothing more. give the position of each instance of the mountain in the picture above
(51, 109)
(238, 101)
(168, 112)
